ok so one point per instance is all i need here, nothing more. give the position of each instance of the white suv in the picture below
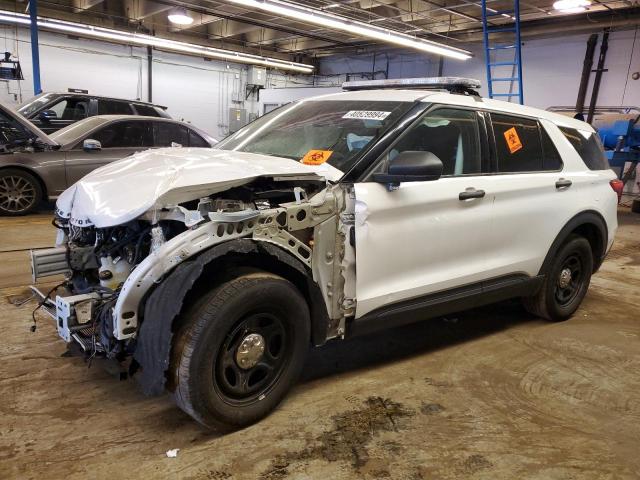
(208, 273)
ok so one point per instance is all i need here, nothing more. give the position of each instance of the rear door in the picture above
(535, 194)
(119, 139)
(426, 237)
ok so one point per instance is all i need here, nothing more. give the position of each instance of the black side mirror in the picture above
(48, 115)
(411, 166)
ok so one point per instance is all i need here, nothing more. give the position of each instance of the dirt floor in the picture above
(489, 393)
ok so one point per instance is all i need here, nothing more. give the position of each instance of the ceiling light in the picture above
(571, 6)
(179, 16)
(150, 41)
(354, 27)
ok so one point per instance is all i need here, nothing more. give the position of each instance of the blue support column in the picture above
(35, 48)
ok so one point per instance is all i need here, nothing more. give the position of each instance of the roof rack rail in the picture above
(459, 85)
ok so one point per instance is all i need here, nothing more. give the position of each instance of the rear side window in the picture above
(113, 107)
(518, 144)
(146, 110)
(588, 146)
(196, 140)
(552, 159)
(168, 133)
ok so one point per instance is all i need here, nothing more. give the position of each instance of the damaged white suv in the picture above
(209, 273)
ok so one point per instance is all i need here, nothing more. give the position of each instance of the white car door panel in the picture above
(419, 239)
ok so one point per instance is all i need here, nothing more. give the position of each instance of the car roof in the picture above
(440, 97)
(137, 102)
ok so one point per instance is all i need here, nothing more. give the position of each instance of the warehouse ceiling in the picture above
(226, 24)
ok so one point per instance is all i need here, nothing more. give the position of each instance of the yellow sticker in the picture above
(316, 157)
(513, 141)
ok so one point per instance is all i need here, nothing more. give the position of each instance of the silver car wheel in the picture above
(17, 194)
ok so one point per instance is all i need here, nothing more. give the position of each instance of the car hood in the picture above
(123, 190)
(35, 131)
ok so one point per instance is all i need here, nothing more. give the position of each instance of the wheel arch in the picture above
(161, 309)
(588, 224)
(30, 171)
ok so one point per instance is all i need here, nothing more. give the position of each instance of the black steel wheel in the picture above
(566, 281)
(239, 349)
(252, 357)
(20, 192)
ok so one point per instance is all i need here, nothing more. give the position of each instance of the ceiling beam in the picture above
(82, 5)
(141, 9)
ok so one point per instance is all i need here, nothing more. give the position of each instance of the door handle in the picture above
(471, 193)
(563, 183)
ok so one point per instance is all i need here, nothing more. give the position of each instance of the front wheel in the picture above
(566, 282)
(20, 192)
(239, 350)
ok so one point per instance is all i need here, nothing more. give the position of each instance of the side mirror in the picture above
(90, 145)
(411, 166)
(47, 115)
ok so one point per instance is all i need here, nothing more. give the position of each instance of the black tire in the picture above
(209, 383)
(562, 293)
(20, 192)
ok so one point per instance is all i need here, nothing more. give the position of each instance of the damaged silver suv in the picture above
(208, 273)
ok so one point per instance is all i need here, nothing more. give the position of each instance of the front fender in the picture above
(164, 304)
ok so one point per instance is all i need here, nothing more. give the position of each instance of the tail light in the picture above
(618, 186)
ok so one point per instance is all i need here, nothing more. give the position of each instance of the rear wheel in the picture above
(20, 192)
(566, 282)
(240, 350)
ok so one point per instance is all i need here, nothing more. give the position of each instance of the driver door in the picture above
(425, 237)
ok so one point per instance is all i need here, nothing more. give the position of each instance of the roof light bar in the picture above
(447, 83)
(150, 41)
(336, 22)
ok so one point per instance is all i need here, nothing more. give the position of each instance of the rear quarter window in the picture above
(588, 146)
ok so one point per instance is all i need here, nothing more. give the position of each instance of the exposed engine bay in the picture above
(112, 271)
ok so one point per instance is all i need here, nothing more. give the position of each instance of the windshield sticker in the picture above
(316, 157)
(366, 115)
(513, 140)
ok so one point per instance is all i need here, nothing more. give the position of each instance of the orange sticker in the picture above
(513, 141)
(316, 157)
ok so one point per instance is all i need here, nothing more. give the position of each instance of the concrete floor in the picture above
(490, 393)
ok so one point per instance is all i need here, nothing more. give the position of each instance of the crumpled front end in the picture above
(112, 269)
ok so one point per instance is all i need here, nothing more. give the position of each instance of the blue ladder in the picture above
(493, 49)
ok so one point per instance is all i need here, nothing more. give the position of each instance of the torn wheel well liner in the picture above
(188, 280)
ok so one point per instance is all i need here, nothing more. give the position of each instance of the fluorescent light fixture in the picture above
(354, 27)
(179, 16)
(150, 41)
(571, 6)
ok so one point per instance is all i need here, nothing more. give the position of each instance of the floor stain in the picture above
(347, 441)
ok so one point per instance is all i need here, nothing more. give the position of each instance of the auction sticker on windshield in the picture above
(366, 115)
(316, 157)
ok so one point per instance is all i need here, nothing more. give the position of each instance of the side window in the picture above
(588, 146)
(552, 160)
(450, 134)
(167, 133)
(113, 107)
(196, 140)
(71, 108)
(127, 134)
(518, 144)
(146, 110)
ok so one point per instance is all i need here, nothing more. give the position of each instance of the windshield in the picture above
(318, 131)
(34, 104)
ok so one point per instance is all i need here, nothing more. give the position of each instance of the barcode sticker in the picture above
(366, 115)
